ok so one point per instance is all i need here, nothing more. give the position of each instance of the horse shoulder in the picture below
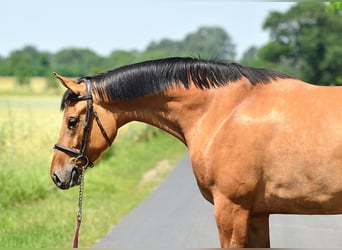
(222, 152)
(229, 155)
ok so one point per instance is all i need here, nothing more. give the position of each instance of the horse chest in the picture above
(203, 175)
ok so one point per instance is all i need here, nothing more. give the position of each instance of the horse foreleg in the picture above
(231, 220)
(258, 231)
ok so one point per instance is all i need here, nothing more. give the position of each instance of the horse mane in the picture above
(153, 77)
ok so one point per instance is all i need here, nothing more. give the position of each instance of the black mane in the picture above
(153, 77)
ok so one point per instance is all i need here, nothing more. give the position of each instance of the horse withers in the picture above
(260, 141)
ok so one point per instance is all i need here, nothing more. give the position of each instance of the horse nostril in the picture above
(74, 180)
(56, 180)
(59, 183)
(65, 184)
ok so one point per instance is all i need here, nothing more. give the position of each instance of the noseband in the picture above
(81, 154)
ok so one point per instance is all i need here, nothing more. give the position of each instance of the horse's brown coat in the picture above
(255, 149)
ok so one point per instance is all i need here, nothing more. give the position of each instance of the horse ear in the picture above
(72, 85)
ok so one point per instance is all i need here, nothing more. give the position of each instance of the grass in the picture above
(35, 213)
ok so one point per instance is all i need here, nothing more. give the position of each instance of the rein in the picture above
(80, 155)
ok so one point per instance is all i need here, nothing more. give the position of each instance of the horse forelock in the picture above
(153, 77)
(67, 99)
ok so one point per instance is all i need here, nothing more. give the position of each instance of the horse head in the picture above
(80, 141)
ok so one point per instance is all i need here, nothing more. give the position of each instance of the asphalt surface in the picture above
(176, 215)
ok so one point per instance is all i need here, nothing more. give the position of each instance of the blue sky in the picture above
(107, 25)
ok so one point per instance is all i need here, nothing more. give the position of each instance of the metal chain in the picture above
(79, 213)
(80, 196)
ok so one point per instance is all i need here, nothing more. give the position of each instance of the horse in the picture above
(260, 141)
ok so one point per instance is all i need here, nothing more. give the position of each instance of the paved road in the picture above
(175, 215)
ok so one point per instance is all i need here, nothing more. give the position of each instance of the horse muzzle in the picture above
(67, 180)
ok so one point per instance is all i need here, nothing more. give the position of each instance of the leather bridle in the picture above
(81, 154)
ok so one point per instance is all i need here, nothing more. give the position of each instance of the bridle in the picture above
(81, 154)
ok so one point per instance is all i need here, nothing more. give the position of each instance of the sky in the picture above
(107, 25)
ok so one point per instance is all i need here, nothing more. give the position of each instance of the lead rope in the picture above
(79, 213)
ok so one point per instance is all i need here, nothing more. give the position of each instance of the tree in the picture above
(211, 42)
(206, 42)
(27, 62)
(168, 46)
(251, 57)
(3, 67)
(335, 7)
(77, 62)
(306, 39)
(120, 57)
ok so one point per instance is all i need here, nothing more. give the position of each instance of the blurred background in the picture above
(81, 37)
(77, 38)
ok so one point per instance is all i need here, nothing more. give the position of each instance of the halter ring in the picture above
(83, 158)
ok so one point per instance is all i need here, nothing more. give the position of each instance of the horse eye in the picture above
(73, 122)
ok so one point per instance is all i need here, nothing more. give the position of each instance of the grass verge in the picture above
(33, 212)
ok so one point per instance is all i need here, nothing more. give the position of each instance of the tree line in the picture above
(304, 42)
(28, 61)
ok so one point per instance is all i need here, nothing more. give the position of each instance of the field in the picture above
(35, 213)
(8, 85)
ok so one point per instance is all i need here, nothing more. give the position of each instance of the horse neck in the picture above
(179, 111)
(172, 111)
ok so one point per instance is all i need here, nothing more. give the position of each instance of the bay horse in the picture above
(260, 141)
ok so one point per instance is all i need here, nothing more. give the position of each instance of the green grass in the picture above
(35, 213)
